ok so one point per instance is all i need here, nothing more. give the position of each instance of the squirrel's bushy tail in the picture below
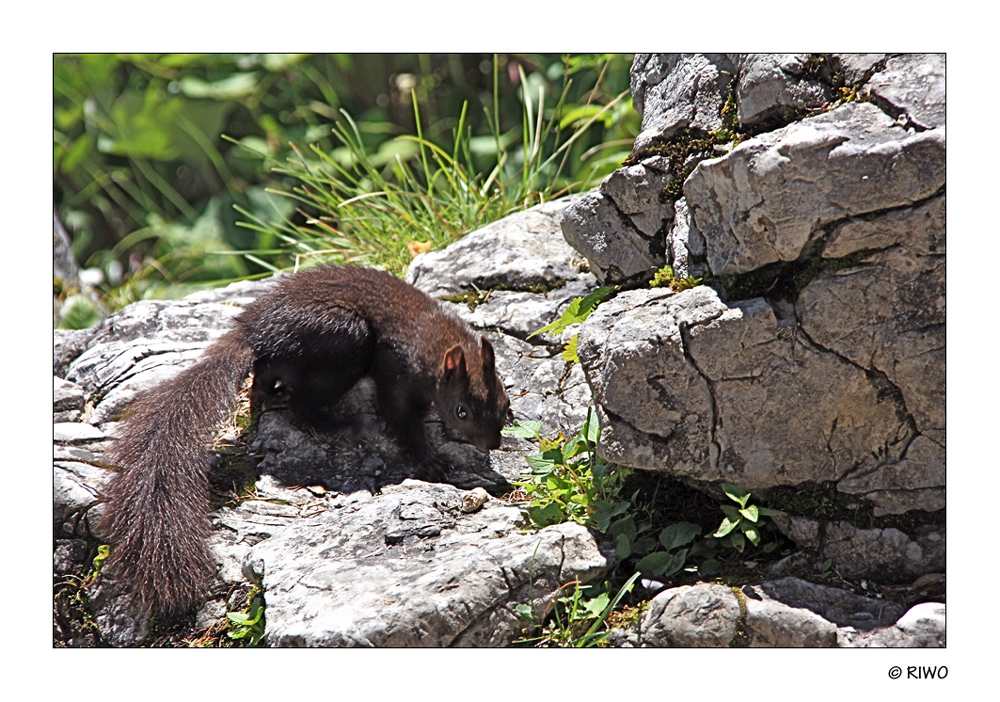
(157, 507)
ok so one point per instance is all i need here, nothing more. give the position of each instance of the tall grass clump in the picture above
(381, 206)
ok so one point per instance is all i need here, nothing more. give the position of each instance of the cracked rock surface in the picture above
(771, 195)
(407, 567)
(815, 355)
(788, 612)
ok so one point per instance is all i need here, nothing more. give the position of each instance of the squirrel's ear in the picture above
(489, 359)
(454, 359)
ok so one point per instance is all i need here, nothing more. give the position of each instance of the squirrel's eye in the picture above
(461, 413)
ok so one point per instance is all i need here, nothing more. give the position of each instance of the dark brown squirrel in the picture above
(311, 337)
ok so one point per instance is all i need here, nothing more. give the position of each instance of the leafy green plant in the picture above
(742, 523)
(577, 311)
(576, 619)
(664, 278)
(248, 626)
(569, 482)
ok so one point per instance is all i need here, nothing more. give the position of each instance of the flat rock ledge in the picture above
(788, 613)
(408, 567)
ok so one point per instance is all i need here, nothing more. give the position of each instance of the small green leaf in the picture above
(549, 514)
(644, 545)
(605, 511)
(103, 551)
(624, 526)
(736, 494)
(623, 546)
(708, 567)
(542, 463)
(669, 566)
(523, 430)
(569, 352)
(596, 606)
(726, 527)
(658, 562)
(751, 533)
(591, 429)
(750, 512)
(679, 534)
(577, 311)
(732, 512)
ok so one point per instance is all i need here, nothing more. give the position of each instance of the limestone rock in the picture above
(916, 481)
(913, 86)
(923, 626)
(409, 568)
(773, 86)
(701, 615)
(854, 67)
(919, 229)
(769, 197)
(68, 400)
(887, 314)
(654, 405)
(786, 613)
(726, 393)
(637, 193)
(671, 91)
(885, 555)
(616, 251)
(519, 251)
(841, 607)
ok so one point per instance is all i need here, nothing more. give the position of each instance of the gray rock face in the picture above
(617, 252)
(887, 315)
(409, 568)
(702, 615)
(923, 626)
(519, 251)
(784, 613)
(886, 555)
(727, 393)
(913, 86)
(770, 196)
(771, 85)
(68, 401)
(823, 362)
(671, 91)
(655, 407)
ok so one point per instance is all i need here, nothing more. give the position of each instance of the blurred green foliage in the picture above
(161, 161)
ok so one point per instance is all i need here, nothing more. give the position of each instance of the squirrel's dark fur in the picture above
(313, 336)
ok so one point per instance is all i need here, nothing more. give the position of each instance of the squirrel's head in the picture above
(470, 396)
